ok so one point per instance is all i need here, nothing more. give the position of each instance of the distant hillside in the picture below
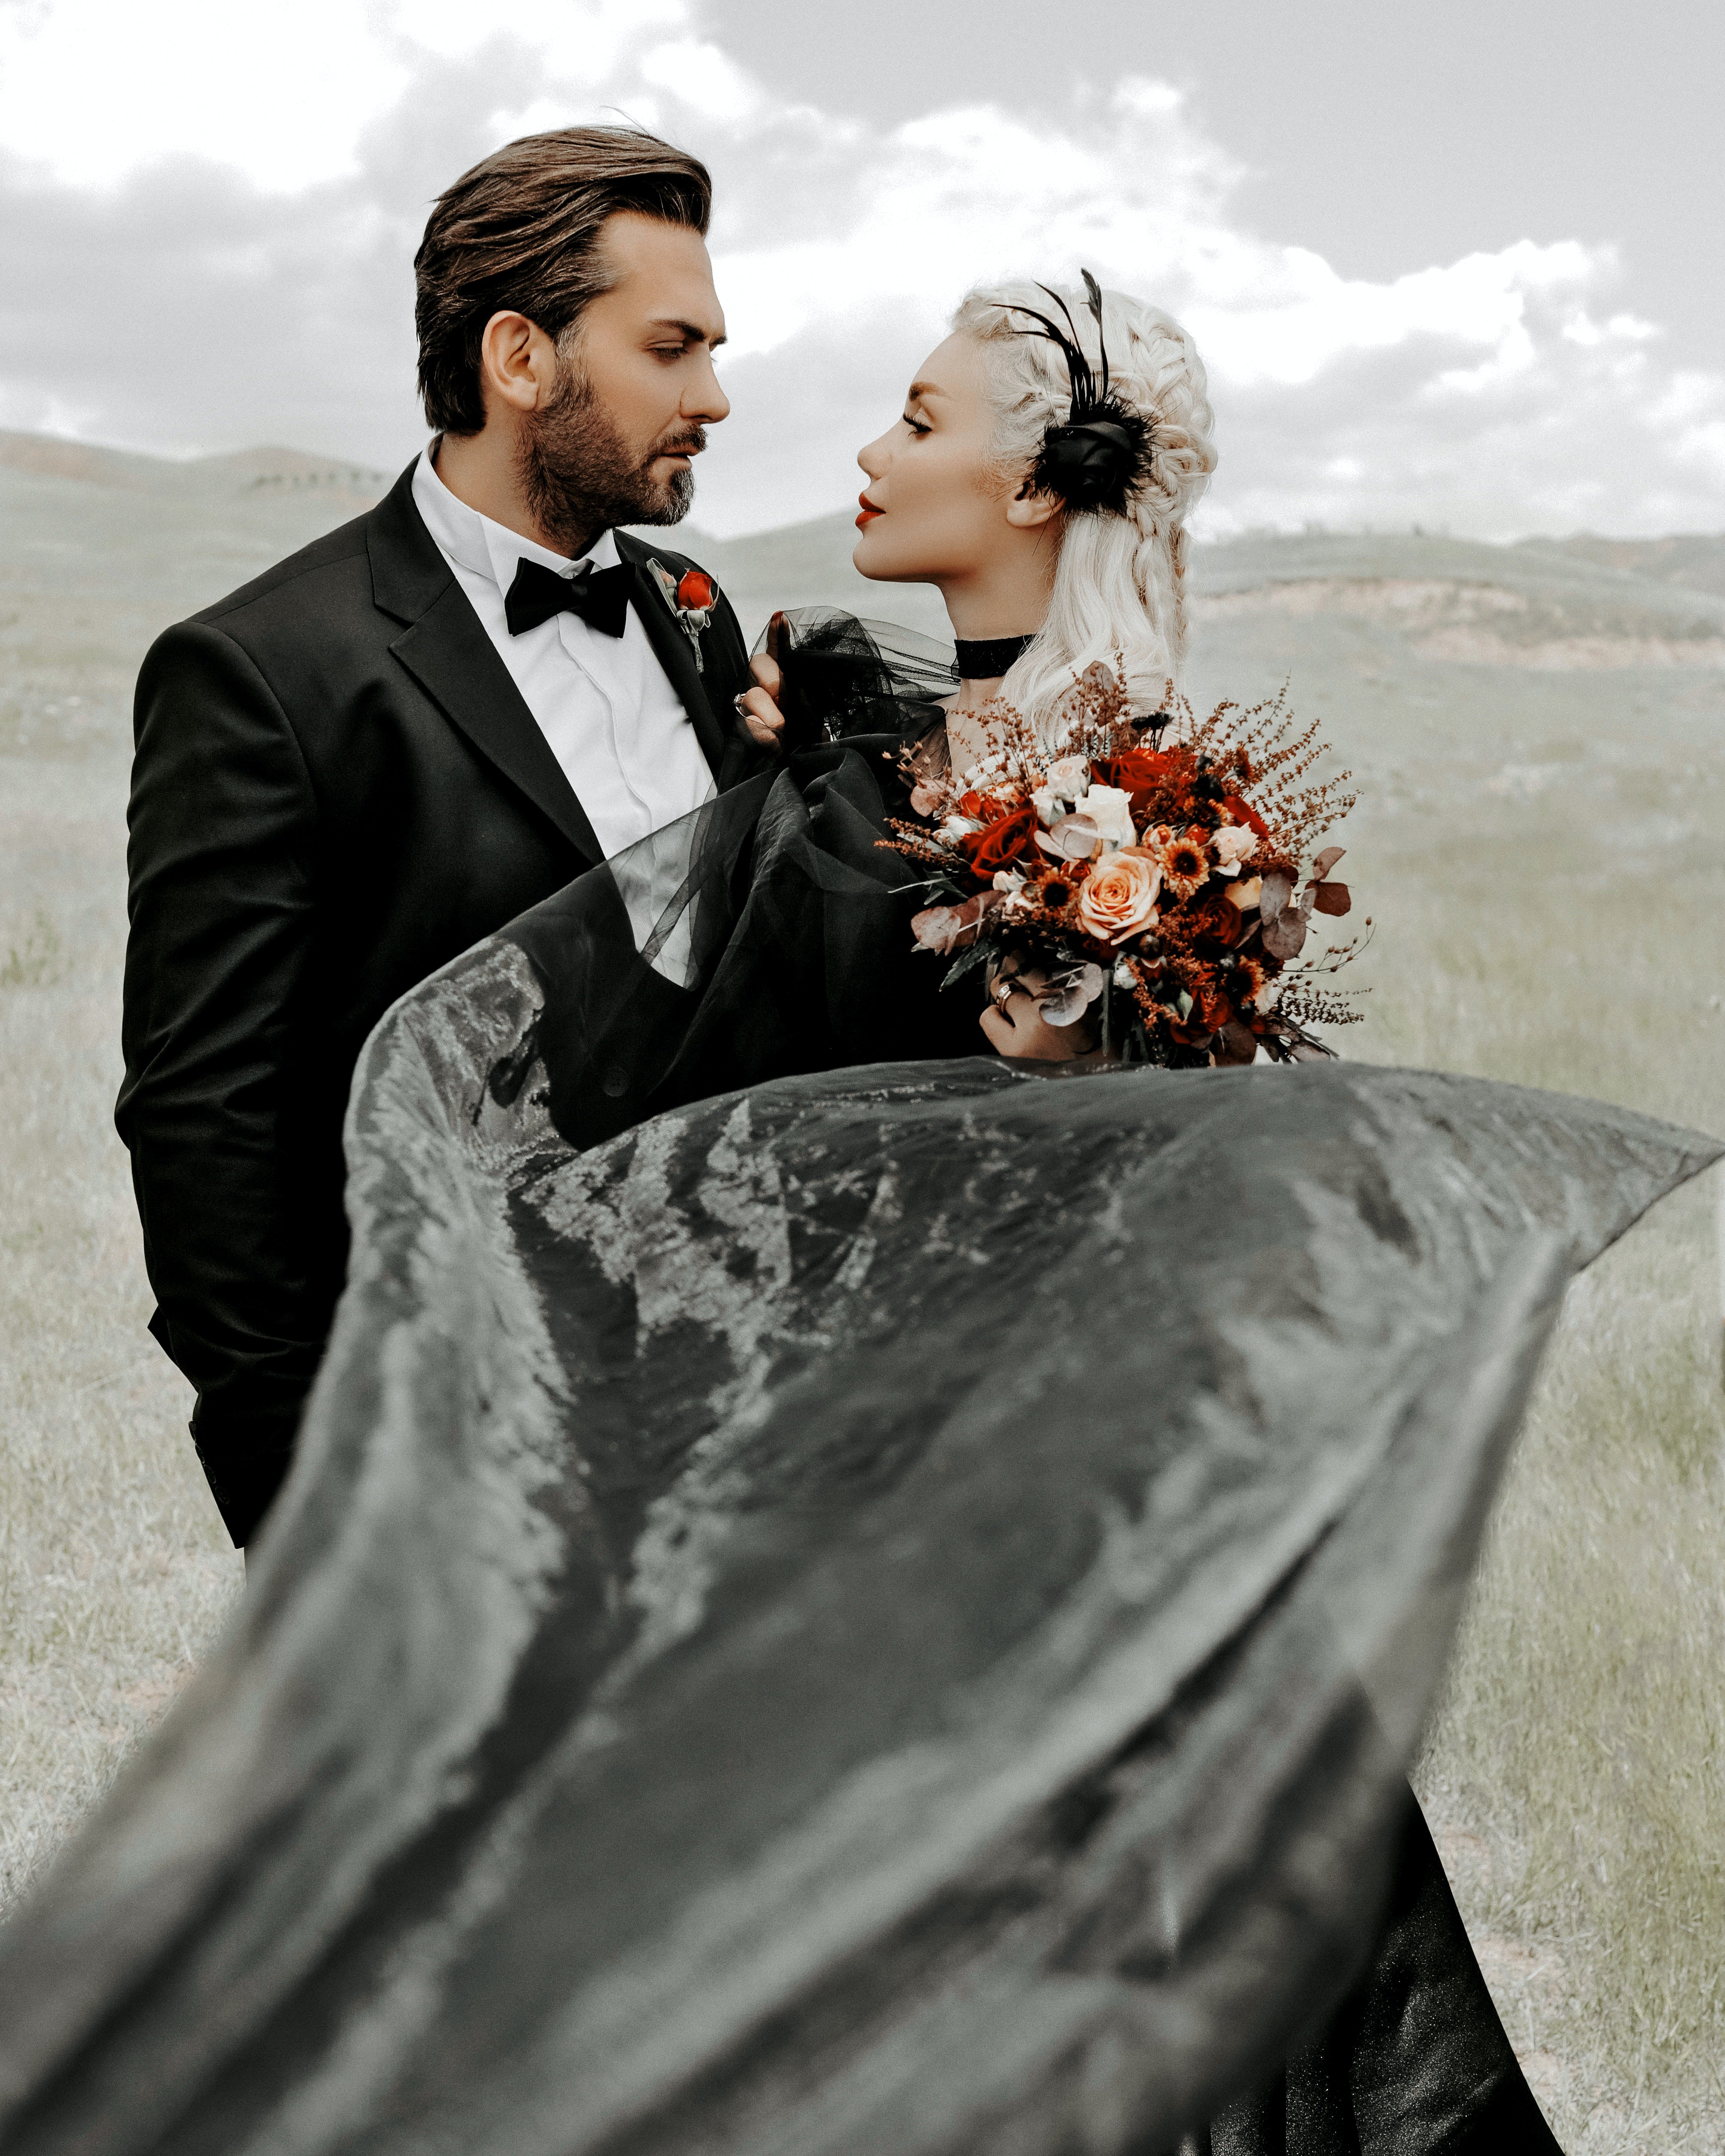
(233, 471)
(1694, 559)
(187, 530)
(1544, 603)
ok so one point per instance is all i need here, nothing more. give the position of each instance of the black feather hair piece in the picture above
(1102, 453)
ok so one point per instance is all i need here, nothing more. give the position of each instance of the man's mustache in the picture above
(684, 445)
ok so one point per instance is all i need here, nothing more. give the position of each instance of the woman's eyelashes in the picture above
(915, 425)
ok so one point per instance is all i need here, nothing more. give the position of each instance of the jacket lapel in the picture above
(674, 651)
(448, 653)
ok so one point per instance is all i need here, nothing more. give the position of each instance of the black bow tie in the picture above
(600, 597)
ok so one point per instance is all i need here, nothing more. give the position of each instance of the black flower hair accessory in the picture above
(1102, 454)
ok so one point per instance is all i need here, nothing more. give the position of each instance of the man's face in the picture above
(613, 443)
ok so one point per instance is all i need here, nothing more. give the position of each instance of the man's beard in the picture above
(579, 477)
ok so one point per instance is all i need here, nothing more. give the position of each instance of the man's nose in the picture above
(706, 402)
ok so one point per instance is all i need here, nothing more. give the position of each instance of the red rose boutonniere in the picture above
(691, 598)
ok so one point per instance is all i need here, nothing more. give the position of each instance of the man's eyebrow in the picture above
(692, 331)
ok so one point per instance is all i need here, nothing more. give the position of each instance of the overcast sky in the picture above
(1458, 264)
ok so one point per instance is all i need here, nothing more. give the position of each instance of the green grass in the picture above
(1542, 854)
(1543, 860)
(114, 1573)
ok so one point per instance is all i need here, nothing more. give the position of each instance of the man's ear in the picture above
(518, 362)
(1028, 509)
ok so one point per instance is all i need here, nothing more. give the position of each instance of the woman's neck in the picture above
(1009, 600)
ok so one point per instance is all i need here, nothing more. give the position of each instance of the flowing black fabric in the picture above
(769, 933)
(884, 1609)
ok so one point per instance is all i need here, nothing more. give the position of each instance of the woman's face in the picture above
(932, 510)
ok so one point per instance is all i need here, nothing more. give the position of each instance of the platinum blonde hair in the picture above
(1120, 583)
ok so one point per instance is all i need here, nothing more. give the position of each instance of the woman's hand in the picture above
(758, 708)
(1015, 1026)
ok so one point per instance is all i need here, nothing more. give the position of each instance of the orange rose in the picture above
(1118, 897)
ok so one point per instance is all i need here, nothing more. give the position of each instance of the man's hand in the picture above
(757, 711)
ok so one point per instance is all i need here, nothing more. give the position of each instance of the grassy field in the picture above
(1542, 846)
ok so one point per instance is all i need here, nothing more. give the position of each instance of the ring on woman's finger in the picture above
(740, 705)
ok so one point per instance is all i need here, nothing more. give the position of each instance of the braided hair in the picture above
(1102, 399)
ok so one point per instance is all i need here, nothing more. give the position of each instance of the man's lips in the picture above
(868, 513)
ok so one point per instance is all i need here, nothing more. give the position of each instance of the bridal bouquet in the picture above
(1159, 871)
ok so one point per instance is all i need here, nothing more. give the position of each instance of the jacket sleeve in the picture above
(223, 823)
(727, 660)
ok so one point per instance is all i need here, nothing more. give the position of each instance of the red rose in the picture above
(1215, 921)
(1214, 1008)
(1140, 768)
(1001, 843)
(697, 590)
(1146, 774)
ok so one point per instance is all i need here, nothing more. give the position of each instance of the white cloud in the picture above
(252, 181)
(90, 91)
(702, 77)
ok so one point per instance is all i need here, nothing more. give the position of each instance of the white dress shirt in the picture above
(613, 721)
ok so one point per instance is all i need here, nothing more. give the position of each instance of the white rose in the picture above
(1069, 777)
(1110, 810)
(1046, 802)
(1232, 843)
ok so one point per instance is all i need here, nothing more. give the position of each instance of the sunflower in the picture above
(1185, 864)
(1245, 977)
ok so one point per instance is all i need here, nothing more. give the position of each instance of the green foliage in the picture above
(35, 959)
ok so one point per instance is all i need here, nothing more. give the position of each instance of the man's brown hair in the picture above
(520, 232)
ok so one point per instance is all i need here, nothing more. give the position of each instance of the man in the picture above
(354, 768)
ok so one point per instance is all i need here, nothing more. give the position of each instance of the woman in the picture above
(841, 1593)
(965, 492)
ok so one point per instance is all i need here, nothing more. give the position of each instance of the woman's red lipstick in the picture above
(868, 513)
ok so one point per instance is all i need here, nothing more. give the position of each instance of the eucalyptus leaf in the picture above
(965, 963)
(1284, 936)
(1278, 889)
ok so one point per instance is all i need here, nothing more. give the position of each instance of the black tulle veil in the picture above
(767, 932)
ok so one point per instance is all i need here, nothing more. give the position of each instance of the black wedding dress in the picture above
(839, 1594)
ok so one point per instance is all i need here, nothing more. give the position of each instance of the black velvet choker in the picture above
(988, 660)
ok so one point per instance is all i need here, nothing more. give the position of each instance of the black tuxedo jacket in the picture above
(338, 788)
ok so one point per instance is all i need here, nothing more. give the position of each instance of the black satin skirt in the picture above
(1415, 2060)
